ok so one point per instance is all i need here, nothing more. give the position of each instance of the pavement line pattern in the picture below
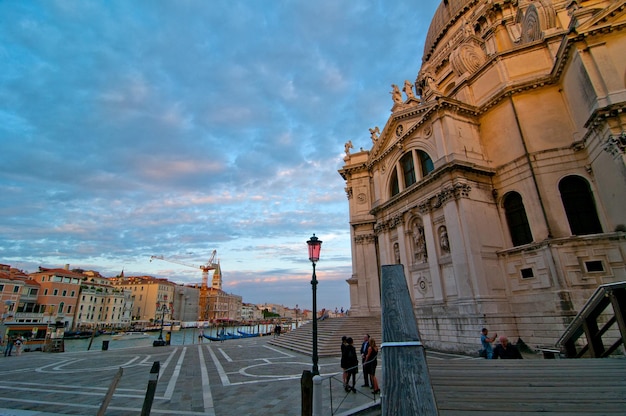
(170, 357)
(218, 366)
(172, 383)
(278, 351)
(207, 397)
(230, 360)
(55, 367)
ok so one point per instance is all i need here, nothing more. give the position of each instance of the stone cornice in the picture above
(432, 177)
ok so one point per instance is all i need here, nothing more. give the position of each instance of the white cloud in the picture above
(138, 128)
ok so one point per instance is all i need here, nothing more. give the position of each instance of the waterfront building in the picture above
(152, 298)
(186, 303)
(499, 178)
(101, 304)
(17, 292)
(223, 306)
(58, 294)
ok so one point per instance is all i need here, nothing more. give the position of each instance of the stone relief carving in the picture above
(456, 191)
(467, 58)
(428, 130)
(616, 145)
(388, 224)
(422, 284)
(531, 26)
(364, 239)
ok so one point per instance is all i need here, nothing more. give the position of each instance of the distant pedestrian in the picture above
(19, 342)
(506, 351)
(485, 341)
(9, 347)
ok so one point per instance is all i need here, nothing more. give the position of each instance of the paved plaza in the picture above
(235, 377)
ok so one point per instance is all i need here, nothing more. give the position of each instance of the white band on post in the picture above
(401, 344)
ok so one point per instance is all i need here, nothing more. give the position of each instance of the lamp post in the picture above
(315, 245)
(160, 342)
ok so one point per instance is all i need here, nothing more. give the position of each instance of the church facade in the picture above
(499, 179)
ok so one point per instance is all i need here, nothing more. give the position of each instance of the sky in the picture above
(131, 129)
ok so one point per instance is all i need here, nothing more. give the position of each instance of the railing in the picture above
(603, 317)
(342, 401)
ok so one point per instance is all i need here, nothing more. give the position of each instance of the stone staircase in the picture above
(329, 333)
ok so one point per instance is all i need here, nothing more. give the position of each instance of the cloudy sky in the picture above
(177, 127)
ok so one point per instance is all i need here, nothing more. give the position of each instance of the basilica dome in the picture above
(445, 15)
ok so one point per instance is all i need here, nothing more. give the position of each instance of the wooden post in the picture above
(306, 391)
(109, 395)
(407, 389)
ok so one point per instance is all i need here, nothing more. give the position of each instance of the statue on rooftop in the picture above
(396, 94)
(408, 89)
(375, 132)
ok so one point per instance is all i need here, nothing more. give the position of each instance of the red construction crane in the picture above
(204, 289)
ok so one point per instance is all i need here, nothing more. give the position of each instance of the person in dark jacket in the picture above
(506, 351)
(352, 365)
(344, 365)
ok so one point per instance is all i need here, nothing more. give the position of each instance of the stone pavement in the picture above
(235, 377)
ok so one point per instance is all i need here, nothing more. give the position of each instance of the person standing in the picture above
(9, 346)
(352, 365)
(364, 347)
(344, 345)
(18, 345)
(371, 360)
(485, 341)
(506, 351)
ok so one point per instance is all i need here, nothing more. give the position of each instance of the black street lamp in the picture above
(160, 342)
(315, 245)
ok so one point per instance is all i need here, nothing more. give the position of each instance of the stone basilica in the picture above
(499, 180)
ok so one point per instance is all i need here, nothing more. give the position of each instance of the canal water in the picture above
(187, 336)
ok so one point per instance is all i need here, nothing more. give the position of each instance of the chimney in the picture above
(67, 266)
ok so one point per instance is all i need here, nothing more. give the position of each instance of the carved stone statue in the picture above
(421, 256)
(375, 132)
(348, 146)
(396, 94)
(444, 243)
(396, 253)
(408, 89)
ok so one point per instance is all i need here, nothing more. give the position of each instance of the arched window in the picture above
(426, 163)
(516, 219)
(579, 205)
(408, 169)
(395, 187)
(61, 306)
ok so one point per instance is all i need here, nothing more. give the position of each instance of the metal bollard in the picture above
(317, 396)
(152, 385)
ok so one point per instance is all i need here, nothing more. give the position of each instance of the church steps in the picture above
(329, 333)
